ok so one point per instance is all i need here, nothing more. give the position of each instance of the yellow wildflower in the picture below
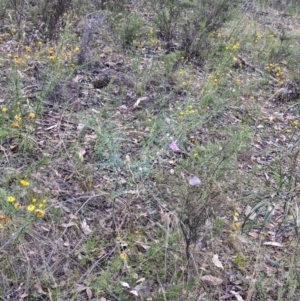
(234, 226)
(30, 207)
(1, 226)
(31, 116)
(17, 206)
(18, 118)
(39, 213)
(123, 256)
(11, 199)
(41, 205)
(27, 49)
(3, 110)
(236, 46)
(44, 201)
(294, 123)
(33, 200)
(40, 43)
(77, 49)
(24, 183)
(118, 238)
(9, 55)
(14, 125)
(4, 219)
(16, 59)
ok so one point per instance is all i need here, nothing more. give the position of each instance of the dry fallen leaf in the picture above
(89, 137)
(237, 295)
(79, 288)
(141, 99)
(141, 280)
(69, 224)
(143, 289)
(85, 228)
(22, 296)
(81, 153)
(134, 293)
(248, 211)
(125, 284)
(217, 262)
(211, 280)
(273, 244)
(40, 289)
(89, 293)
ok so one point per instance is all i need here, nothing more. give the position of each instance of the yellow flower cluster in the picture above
(257, 37)
(189, 111)
(31, 207)
(214, 77)
(275, 70)
(17, 60)
(34, 206)
(215, 34)
(18, 118)
(233, 47)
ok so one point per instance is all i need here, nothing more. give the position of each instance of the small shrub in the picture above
(112, 5)
(206, 16)
(52, 12)
(130, 30)
(190, 23)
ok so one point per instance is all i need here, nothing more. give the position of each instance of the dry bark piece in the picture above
(91, 20)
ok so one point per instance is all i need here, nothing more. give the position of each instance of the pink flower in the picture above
(173, 146)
